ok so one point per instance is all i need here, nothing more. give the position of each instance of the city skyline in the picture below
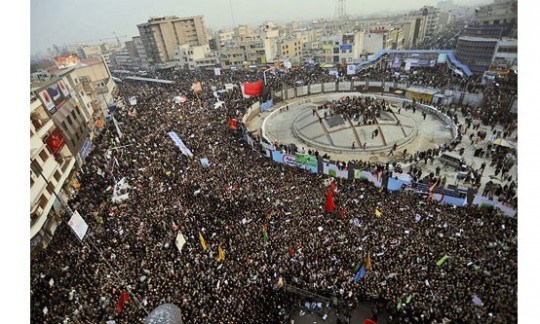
(99, 20)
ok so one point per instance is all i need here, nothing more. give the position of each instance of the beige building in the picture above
(225, 38)
(64, 111)
(162, 36)
(289, 48)
(231, 57)
(253, 50)
(432, 19)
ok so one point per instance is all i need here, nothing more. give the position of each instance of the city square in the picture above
(351, 170)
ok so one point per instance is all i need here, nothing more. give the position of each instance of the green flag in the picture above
(408, 300)
(442, 260)
(357, 266)
(265, 234)
(399, 305)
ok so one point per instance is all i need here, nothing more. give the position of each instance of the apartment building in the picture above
(161, 36)
(289, 48)
(65, 115)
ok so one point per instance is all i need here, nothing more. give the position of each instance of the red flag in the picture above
(124, 297)
(232, 123)
(330, 200)
(253, 89)
(291, 251)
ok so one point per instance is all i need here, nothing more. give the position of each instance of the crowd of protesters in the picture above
(269, 219)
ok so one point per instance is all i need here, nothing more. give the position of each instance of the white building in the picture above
(270, 35)
(190, 57)
(506, 54)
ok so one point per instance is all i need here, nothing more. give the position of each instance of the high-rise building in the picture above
(161, 36)
(432, 17)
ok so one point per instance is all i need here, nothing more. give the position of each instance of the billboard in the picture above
(55, 141)
(306, 162)
(54, 96)
(347, 47)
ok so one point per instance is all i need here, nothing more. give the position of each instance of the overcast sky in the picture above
(66, 21)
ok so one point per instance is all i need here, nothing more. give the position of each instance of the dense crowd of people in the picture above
(270, 221)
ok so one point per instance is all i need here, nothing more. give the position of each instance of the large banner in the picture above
(333, 171)
(449, 199)
(176, 139)
(397, 184)
(366, 175)
(78, 225)
(54, 96)
(306, 162)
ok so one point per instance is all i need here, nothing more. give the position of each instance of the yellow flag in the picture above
(378, 213)
(221, 254)
(168, 173)
(368, 262)
(201, 239)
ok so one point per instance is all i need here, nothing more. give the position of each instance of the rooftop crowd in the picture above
(270, 221)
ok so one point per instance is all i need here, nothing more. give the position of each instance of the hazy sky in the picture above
(66, 21)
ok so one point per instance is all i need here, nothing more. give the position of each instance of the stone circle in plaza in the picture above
(296, 123)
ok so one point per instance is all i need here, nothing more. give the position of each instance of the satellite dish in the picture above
(165, 314)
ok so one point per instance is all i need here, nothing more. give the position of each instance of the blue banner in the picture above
(360, 273)
(347, 47)
(85, 149)
(176, 139)
(396, 184)
(267, 105)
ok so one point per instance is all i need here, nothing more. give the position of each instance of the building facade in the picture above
(161, 36)
(65, 115)
(432, 19)
(501, 13)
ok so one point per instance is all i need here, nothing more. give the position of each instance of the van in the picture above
(452, 159)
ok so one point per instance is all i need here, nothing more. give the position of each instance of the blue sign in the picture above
(267, 105)
(347, 47)
(85, 149)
